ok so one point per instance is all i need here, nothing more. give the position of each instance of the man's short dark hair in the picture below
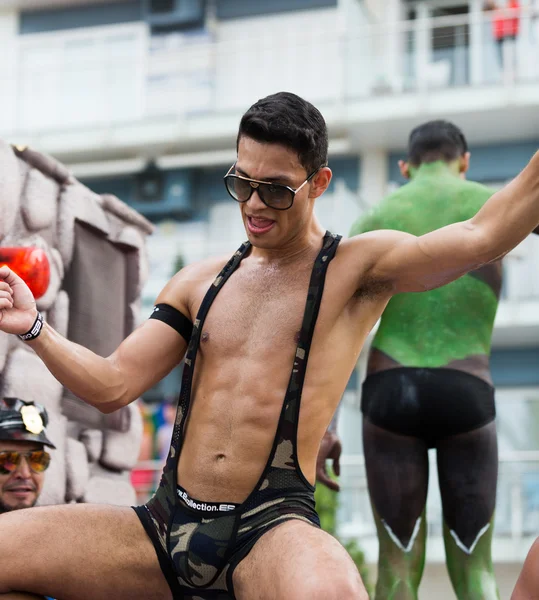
(436, 140)
(291, 121)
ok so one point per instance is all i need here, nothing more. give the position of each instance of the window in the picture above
(39, 21)
(162, 6)
(174, 15)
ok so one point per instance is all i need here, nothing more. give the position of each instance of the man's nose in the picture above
(23, 470)
(255, 202)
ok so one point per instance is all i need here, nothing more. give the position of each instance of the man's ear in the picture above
(404, 169)
(320, 182)
(464, 164)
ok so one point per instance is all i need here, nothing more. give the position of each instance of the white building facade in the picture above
(142, 98)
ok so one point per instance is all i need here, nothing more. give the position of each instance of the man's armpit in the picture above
(371, 288)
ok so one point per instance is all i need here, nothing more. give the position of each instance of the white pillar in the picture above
(477, 61)
(394, 44)
(374, 176)
(423, 44)
(526, 46)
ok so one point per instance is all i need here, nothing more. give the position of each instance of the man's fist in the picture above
(330, 448)
(17, 305)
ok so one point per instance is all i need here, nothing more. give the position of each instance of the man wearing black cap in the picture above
(23, 458)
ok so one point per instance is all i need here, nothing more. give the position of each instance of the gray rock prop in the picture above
(94, 244)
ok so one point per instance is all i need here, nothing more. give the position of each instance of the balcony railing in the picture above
(121, 74)
(517, 504)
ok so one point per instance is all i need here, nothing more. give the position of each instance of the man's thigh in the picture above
(298, 561)
(397, 468)
(468, 475)
(79, 552)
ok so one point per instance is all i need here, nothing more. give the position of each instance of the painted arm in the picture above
(413, 264)
(107, 383)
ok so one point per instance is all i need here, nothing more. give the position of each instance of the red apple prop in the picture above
(31, 265)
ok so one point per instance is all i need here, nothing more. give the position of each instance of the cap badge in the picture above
(32, 419)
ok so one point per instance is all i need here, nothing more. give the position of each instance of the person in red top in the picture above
(505, 24)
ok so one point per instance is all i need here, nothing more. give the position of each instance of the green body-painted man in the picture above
(428, 385)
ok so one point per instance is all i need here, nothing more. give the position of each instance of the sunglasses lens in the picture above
(275, 195)
(239, 189)
(9, 461)
(39, 461)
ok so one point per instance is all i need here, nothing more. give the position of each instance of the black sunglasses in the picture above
(273, 195)
(38, 460)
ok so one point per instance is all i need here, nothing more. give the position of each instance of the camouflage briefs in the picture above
(201, 543)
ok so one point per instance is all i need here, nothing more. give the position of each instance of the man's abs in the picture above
(227, 443)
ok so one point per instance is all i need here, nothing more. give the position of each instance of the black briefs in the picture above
(430, 404)
(173, 317)
(406, 411)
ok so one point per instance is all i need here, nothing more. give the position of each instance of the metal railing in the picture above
(121, 74)
(517, 506)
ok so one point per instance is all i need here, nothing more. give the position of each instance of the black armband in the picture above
(174, 318)
(34, 331)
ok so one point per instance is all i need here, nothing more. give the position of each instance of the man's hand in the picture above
(330, 448)
(17, 304)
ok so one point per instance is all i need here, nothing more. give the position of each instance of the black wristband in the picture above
(35, 331)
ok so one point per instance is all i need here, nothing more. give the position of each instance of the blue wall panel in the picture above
(37, 21)
(234, 9)
(515, 367)
(175, 202)
(487, 164)
(185, 14)
(347, 169)
(122, 187)
(190, 193)
(208, 186)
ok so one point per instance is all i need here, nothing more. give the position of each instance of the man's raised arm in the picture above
(414, 264)
(141, 360)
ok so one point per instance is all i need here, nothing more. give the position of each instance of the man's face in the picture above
(266, 227)
(21, 488)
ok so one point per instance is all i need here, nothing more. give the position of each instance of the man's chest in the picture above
(251, 314)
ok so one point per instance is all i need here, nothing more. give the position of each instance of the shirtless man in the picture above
(428, 385)
(234, 514)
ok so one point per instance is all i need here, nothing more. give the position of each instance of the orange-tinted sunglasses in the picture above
(38, 460)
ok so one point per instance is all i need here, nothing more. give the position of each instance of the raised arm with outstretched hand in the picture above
(140, 361)
(413, 264)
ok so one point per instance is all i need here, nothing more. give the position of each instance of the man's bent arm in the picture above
(140, 361)
(413, 264)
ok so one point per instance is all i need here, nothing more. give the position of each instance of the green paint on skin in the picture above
(431, 329)
(472, 575)
(399, 573)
